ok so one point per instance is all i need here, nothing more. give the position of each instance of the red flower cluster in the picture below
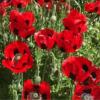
(85, 76)
(79, 69)
(16, 3)
(20, 3)
(36, 91)
(70, 39)
(45, 38)
(93, 7)
(21, 23)
(17, 57)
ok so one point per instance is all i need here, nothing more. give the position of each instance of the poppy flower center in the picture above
(17, 57)
(34, 96)
(86, 96)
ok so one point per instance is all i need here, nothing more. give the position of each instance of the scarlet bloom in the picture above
(68, 41)
(78, 69)
(45, 38)
(75, 22)
(17, 57)
(21, 23)
(71, 68)
(90, 92)
(45, 3)
(90, 7)
(36, 91)
(93, 7)
(20, 3)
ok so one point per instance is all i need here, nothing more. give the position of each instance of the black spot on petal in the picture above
(72, 76)
(75, 47)
(25, 94)
(62, 49)
(27, 22)
(16, 31)
(96, 9)
(86, 81)
(36, 88)
(19, 5)
(16, 51)
(43, 46)
(85, 67)
(24, 64)
(67, 28)
(46, 0)
(87, 91)
(93, 74)
(24, 51)
(44, 97)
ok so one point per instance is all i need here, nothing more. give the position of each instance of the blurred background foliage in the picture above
(48, 64)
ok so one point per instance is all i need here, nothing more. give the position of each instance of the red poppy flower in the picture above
(68, 41)
(76, 23)
(79, 69)
(17, 57)
(90, 7)
(45, 3)
(36, 91)
(71, 68)
(45, 38)
(93, 7)
(88, 73)
(20, 3)
(90, 92)
(21, 23)
(81, 92)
